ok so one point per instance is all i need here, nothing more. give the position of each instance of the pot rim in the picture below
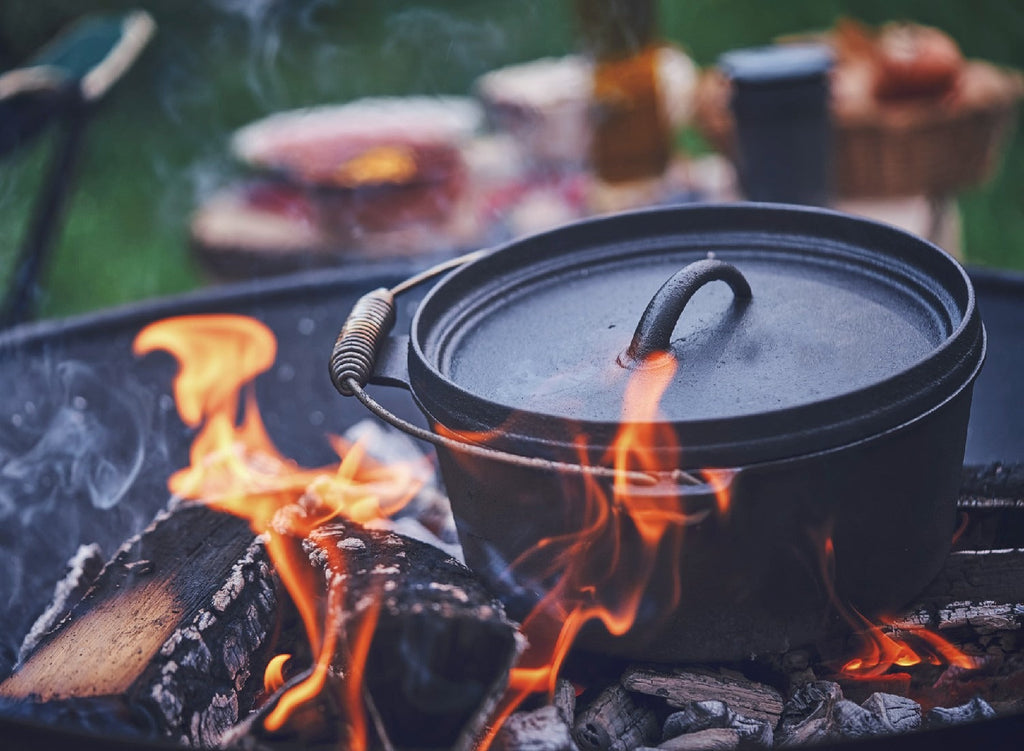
(730, 441)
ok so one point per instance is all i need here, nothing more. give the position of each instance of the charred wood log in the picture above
(679, 687)
(440, 653)
(172, 627)
(442, 647)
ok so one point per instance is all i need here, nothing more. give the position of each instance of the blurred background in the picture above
(158, 147)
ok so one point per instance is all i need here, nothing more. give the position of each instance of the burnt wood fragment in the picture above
(898, 714)
(851, 721)
(705, 715)
(442, 646)
(543, 729)
(616, 721)
(712, 739)
(808, 714)
(565, 700)
(680, 686)
(974, 710)
(175, 626)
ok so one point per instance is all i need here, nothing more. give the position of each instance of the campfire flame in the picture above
(236, 468)
(883, 651)
(604, 590)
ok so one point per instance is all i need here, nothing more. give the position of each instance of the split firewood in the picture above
(440, 652)
(681, 686)
(616, 721)
(172, 628)
(541, 729)
(84, 568)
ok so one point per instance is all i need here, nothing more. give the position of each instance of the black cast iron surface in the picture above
(90, 435)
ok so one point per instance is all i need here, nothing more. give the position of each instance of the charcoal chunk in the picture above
(704, 715)
(974, 710)
(852, 721)
(542, 729)
(899, 714)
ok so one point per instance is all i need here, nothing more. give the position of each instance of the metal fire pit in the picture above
(62, 377)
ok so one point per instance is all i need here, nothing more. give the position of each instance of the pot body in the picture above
(755, 579)
(830, 502)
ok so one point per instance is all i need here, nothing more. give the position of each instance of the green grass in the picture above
(160, 144)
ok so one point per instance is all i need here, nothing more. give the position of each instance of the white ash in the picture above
(83, 568)
(351, 543)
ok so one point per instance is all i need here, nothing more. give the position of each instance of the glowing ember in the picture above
(235, 467)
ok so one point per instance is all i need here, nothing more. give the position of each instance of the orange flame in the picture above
(273, 676)
(598, 587)
(236, 468)
(882, 651)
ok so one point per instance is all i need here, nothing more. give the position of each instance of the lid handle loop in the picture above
(654, 332)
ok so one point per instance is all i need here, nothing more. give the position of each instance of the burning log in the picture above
(679, 687)
(616, 721)
(438, 656)
(171, 629)
(456, 645)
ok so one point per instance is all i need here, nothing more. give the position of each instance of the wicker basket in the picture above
(933, 147)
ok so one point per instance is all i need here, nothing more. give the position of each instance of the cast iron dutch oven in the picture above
(828, 379)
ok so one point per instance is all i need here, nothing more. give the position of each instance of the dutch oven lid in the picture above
(792, 329)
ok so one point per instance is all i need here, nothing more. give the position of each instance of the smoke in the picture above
(72, 451)
(86, 447)
(443, 42)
